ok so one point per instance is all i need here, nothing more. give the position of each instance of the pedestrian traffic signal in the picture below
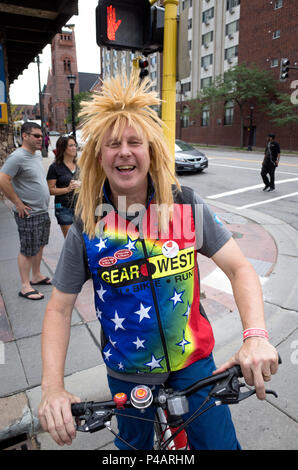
(284, 68)
(143, 65)
(123, 24)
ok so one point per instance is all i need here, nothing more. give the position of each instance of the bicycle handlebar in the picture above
(226, 390)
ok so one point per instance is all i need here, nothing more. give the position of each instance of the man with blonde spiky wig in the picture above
(137, 235)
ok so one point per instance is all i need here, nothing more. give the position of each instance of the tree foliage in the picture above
(243, 85)
(282, 111)
(78, 98)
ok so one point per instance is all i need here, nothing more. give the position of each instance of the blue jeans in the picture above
(213, 430)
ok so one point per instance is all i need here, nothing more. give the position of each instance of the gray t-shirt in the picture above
(72, 269)
(28, 179)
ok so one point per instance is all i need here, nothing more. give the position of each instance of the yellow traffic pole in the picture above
(169, 72)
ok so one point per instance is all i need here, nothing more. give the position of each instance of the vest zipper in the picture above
(163, 340)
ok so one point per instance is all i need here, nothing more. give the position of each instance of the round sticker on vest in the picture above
(170, 249)
(107, 261)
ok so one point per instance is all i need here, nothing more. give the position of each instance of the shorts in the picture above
(64, 215)
(213, 430)
(34, 232)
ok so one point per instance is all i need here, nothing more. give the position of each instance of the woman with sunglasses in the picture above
(63, 180)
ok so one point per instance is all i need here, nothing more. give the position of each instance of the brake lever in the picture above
(227, 390)
(94, 421)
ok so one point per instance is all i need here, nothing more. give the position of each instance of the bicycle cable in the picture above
(194, 416)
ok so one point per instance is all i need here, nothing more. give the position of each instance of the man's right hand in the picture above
(22, 209)
(55, 415)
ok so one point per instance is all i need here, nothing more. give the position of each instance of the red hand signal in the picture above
(111, 23)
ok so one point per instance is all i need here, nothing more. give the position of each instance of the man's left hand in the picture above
(258, 360)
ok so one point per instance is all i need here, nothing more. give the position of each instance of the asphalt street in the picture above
(234, 178)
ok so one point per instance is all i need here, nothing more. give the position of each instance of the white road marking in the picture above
(218, 280)
(267, 201)
(254, 169)
(248, 188)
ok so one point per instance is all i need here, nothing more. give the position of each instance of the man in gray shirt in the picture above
(23, 182)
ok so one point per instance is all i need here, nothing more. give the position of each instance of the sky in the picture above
(25, 89)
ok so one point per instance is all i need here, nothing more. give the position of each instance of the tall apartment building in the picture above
(213, 38)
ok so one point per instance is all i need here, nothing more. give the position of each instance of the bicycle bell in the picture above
(141, 396)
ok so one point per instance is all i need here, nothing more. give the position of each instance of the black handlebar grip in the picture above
(238, 372)
(78, 409)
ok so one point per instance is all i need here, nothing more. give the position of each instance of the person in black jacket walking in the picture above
(270, 162)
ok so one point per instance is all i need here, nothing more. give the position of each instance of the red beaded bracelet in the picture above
(249, 332)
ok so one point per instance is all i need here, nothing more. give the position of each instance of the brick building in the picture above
(267, 31)
(265, 43)
(57, 90)
(56, 94)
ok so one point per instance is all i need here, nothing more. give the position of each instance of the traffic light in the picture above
(284, 68)
(155, 43)
(123, 24)
(143, 65)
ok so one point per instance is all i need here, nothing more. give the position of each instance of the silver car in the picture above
(188, 158)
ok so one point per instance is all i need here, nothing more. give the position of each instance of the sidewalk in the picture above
(272, 248)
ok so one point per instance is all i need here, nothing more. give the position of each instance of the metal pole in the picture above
(250, 142)
(43, 148)
(169, 72)
(73, 110)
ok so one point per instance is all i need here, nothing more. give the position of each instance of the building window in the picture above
(65, 37)
(153, 60)
(278, 4)
(205, 82)
(189, 45)
(229, 113)
(185, 87)
(205, 116)
(189, 25)
(185, 117)
(186, 4)
(208, 15)
(206, 60)
(231, 52)
(232, 4)
(276, 34)
(232, 28)
(274, 63)
(67, 65)
(207, 38)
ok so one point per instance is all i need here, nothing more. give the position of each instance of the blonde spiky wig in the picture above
(122, 102)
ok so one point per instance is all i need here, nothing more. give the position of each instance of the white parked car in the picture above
(188, 158)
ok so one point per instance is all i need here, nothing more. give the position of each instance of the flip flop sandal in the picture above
(32, 292)
(42, 282)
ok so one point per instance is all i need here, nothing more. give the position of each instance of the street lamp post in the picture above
(72, 80)
(250, 139)
(41, 111)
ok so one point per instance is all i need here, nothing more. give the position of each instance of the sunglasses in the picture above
(37, 136)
